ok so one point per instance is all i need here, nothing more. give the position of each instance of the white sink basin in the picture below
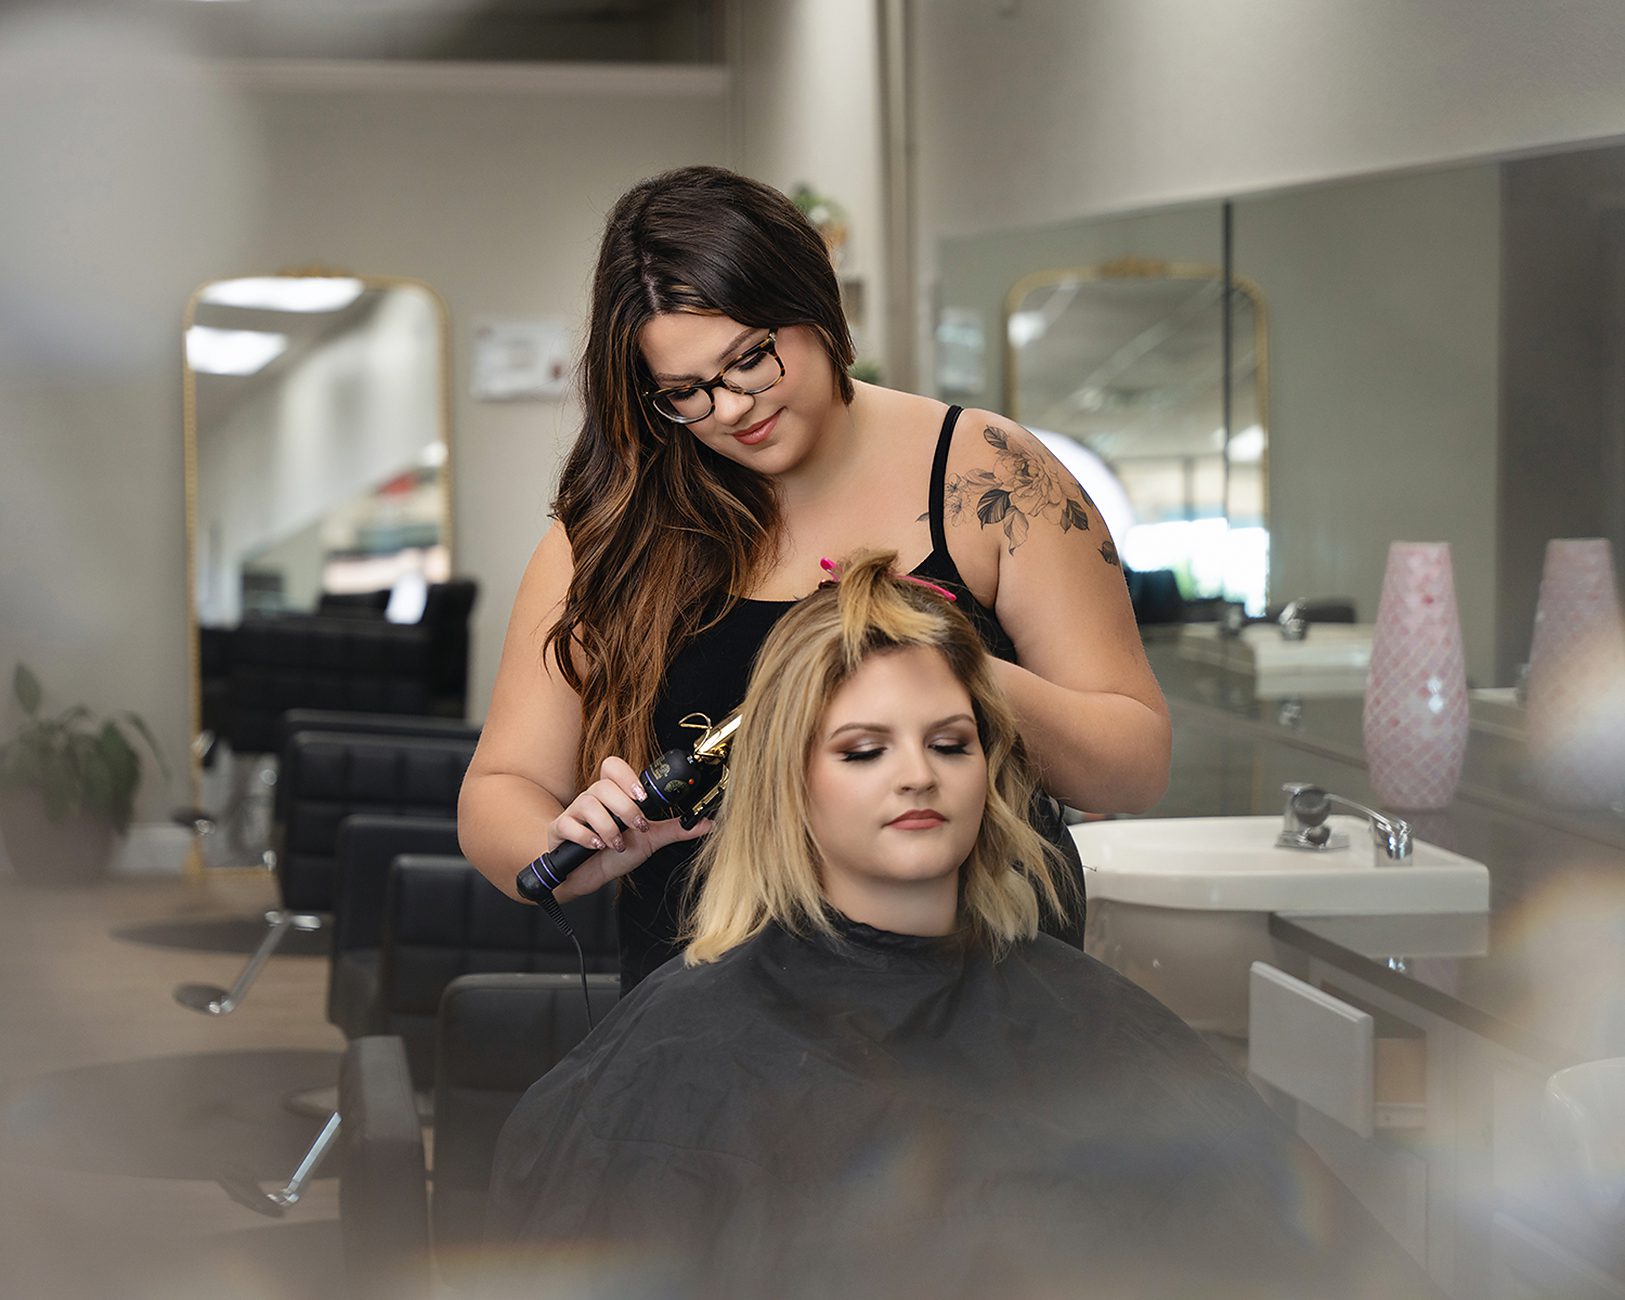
(1231, 864)
(1181, 905)
(1334, 659)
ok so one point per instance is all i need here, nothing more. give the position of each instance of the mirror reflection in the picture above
(320, 444)
(1127, 359)
(319, 504)
(1446, 363)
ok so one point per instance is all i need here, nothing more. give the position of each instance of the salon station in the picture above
(1319, 304)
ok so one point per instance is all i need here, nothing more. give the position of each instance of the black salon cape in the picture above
(885, 1115)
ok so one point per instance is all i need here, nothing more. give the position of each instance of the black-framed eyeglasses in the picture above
(748, 373)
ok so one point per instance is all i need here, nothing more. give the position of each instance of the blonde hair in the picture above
(760, 863)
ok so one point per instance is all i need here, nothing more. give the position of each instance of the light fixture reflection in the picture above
(212, 351)
(286, 292)
(1247, 446)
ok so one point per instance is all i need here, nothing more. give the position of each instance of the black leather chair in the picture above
(304, 661)
(410, 919)
(354, 604)
(326, 776)
(439, 920)
(1155, 596)
(497, 1034)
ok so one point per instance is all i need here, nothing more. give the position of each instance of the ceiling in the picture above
(634, 31)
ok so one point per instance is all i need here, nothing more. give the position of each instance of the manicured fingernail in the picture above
(620, 845)
(641, 823)
(597, 843)
(638, 794)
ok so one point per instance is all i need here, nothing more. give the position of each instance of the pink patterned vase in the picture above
(1415, 720)
(1577, 677)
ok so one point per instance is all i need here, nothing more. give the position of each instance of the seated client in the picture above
(869, 1074)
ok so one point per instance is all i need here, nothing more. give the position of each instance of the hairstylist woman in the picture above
(724, 451)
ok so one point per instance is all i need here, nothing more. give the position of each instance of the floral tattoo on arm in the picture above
(1023, 485)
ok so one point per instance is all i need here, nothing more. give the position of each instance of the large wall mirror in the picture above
(1128, 360)
(318, 460)
(1445, 362)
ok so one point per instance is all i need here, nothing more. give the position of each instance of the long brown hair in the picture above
(665, 532)
(761, 864)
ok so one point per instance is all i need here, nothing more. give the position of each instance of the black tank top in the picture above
(709, 674)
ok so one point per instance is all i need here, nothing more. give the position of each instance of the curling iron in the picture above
(683, 783)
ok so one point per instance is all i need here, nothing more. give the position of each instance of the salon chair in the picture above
(1155, 595)
(354, 604)
(314, 661)
(496, 1035)
(405, 929)
(411, 916)
(394, 767)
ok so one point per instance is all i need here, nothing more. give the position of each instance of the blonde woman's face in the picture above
(896, 785)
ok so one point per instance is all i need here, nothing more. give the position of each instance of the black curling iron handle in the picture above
(675, 784)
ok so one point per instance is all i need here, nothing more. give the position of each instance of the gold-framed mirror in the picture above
(319, 467)
(1126, 359)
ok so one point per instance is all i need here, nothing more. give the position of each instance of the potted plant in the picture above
(67, 787)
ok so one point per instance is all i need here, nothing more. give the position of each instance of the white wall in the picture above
(807, 109)
(490, 185)
(1039, 110)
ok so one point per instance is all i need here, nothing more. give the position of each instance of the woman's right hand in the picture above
(590, 820)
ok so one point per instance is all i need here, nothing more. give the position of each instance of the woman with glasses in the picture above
(724, 451)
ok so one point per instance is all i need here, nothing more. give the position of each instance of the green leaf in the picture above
(27, 689)
(140, 724)
(123, 763)
(100, 785)
(78, 764)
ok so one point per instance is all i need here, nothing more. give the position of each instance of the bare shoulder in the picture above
(1002, 479)
(548, 572)
(898, 418)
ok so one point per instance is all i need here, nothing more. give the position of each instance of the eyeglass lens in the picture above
(755, 372)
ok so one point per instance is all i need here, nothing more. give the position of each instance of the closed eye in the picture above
(860, 755)
(951, 747)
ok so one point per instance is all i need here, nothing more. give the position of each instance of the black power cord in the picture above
(682, 783)
(555, 913)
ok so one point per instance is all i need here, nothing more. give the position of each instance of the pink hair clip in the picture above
(830, 567)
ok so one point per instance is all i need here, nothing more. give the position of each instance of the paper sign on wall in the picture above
(520, 360)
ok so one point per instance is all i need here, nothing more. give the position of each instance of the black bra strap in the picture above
(939, 475)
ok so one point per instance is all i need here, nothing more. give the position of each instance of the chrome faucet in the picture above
(1303, 823)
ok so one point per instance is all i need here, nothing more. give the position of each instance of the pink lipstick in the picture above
(917, 819)
(753, 435)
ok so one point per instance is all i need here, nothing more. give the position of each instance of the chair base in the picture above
(211, 1000)
(247, 1192)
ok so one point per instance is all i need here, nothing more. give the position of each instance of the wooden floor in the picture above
(120, 1110)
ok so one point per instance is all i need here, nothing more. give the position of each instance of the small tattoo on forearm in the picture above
(1025, 484)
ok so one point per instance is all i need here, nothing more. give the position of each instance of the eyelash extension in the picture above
(950, 748)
